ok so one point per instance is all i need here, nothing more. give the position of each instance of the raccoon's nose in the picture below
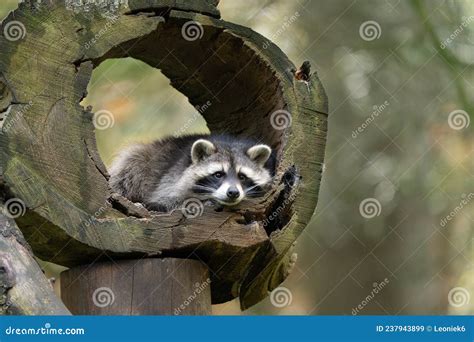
(233, 193)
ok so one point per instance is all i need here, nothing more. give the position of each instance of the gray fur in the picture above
(163, 174)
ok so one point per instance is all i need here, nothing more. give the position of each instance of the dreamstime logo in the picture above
(458, 296)
(280, 119)
(277, 212)
(103, 297)
(281, 297)
(103, 119)
(17, 115)
(97, 214)
(377, 110)
(14, 30)
(370, 30)
(458, 119)
(46, 330)
(196, 115)
(377, 287)
(465, 200)
(192, 30)
(287, 22)
(111, 20)
(14, 208)
(192, 208)
(370, 207)
(456, 32)
(198, 289)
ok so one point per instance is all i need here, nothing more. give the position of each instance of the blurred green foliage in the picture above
(142, 103)
(407, 156)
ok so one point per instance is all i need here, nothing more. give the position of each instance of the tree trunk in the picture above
(138, 287)
(24, 290)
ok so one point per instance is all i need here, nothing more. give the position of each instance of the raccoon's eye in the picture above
(218, 174)
(242, 177)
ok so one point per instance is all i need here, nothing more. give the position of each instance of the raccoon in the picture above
(220, 168)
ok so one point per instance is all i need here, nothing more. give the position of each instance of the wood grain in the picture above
(24, 290)
(50, 159)
(138, 287)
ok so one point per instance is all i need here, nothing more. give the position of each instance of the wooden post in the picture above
(138, 287)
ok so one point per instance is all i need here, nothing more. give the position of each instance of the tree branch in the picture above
(24, 290)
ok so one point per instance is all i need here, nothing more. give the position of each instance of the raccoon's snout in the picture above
(233, 193)
(229, 193)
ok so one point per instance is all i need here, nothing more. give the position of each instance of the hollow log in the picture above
(50, 159)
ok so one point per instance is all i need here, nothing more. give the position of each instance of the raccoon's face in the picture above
(229, 173)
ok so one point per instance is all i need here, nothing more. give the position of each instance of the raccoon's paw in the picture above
(214, 204)
(218, 207)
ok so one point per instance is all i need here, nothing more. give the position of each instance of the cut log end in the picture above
(138, 287)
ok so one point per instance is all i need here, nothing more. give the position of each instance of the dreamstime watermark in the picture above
(47, 329)
(103, 297)
(14, 30)
(287, 22)
(377, 110)
(370, 207)
(458, 119)
(192, 30)
(96, 215)
(280, 119)
(276, 212)
(466, 199)
(16, 116)
(377, 287)
(111, 20)
(192, 208)
(370, 30)
(200, 110)
(281, 297)
(103, 119)
(466, 21)
(458, 296)
(197, 290)
(14, 208)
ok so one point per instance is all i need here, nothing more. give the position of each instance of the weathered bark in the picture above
(178, 287)
(24, 290)
(49, 154)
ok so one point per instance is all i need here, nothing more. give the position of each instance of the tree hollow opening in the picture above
(133, 102)
(235, 96)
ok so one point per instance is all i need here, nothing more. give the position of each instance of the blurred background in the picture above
(393, 230)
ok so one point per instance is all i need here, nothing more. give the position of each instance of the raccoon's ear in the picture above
(202, 148)
(259, 153)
